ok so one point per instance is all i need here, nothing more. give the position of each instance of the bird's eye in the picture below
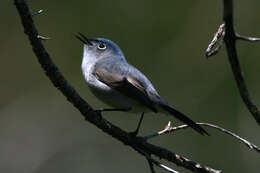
(102, 46)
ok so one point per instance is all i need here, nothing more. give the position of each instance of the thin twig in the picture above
(37, 13)
(151, 165)
(90, 115)
(244, 38)
(219, 35)
(163, 131)
(170, 129)
(160, 165)
(152, 162)
(43, 38)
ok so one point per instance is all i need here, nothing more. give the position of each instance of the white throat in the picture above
(88, 63)
(87, 66)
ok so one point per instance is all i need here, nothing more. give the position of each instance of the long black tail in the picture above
(180, 116)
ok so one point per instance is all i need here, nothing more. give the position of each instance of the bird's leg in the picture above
(135, 133)
(114, 110)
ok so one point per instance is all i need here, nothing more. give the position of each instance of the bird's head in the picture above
(100, 48)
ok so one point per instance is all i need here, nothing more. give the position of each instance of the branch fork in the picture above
(227, 34)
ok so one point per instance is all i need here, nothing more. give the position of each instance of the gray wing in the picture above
(129, 81)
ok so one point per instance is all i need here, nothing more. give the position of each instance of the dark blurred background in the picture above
(41, 132)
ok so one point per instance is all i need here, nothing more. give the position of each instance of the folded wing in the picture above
(127, 83)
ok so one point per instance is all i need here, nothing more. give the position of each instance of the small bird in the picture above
(120, 85)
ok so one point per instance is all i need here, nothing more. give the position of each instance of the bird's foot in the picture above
(135, 133)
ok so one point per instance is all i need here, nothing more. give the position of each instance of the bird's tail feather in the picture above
(180, 116)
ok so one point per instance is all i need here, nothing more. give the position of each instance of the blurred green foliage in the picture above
(41, 132)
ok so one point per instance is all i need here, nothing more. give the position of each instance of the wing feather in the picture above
(125, 84)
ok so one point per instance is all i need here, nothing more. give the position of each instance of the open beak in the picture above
(83, 38)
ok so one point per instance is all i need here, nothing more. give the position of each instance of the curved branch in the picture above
(230, 42)
(51, 70)
(169, 129)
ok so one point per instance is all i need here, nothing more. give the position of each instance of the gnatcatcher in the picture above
(121, 85)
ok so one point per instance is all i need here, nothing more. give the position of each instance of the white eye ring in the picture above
(102, 46)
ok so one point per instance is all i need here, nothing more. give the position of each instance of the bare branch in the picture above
(230, 42)
(218, 38)
(170, 129)
(90, 115)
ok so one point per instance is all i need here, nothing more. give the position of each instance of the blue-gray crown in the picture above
(110, 45)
